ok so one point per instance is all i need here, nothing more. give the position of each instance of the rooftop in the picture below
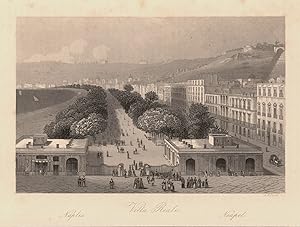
(51, 144)
(199, 146)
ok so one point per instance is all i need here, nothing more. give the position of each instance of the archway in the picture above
(221, 164)
(250, 165)
(190, 167)
(72, 166)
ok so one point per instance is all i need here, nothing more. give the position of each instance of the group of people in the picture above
(138, 183)
(81, 181)
(168, 185)
(194, 182)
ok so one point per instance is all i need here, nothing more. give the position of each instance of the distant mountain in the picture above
(255, 62)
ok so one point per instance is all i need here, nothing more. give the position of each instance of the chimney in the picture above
(42, 146)
(204, 146)
(57, 145)
(27, 145)
(237, 146)
(191, 146)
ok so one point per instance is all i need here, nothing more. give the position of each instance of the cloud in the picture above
(101, 52)
(67, 54)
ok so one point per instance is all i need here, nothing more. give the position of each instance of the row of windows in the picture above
(241, 103)
(276, 140)
(242, 131)
(267, 125)
(268, 92)
(267, 110)
(241, 116)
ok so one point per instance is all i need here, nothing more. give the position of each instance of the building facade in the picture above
(271, 113)
(38, 155)
(217, 154)
(195, 91)
(178, 96)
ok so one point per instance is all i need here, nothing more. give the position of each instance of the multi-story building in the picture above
(271, 113)
(234, 110)
(195, 91)
(178, 96)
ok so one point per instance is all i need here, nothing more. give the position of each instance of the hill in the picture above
(257, 62)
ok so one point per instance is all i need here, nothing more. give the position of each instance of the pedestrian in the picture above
(111, 183)
(206, 183)
(148, 179)
(163, 185)
(195, 183)
(133, 172)
(144, 147)
(107, 155)
(141, 141)
(136, 166)
(125, 173)
(135, 183)
(199, 183)
(128, 155)
(152, 180)
(182, 182)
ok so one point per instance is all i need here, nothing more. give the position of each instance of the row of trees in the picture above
(87, 116)
(154, 117)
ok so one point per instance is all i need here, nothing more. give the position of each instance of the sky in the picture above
(132, 40)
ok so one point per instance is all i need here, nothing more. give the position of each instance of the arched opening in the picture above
(190, 167)
(221, 164)
(72, 166)
(250, 165)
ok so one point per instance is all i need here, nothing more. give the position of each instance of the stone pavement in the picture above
(100, 184)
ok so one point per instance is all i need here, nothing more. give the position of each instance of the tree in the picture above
(151, 95)
(137, 109)
(199, 121)
(159, 120)
(90, 126)
(128, 87)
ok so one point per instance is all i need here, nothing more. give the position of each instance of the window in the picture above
(264, 91)
(269, 91)
(249, 118)
(244, 104)
(279, 141)
(281, 112)
(274, 127)
(55, 159)
(280, 129)
(269, 110)
(269, 126)
(275, 91)
(41, 157)
(258, 133)
(249, 104)
(275, 110)
(248, 133)
(263, 135)
(263, 124)
(244, 132)
(244, 117)
(240, 103)
(259, 91)
(274, 140)
(233, 128)
(280, 92)
(258, 123)
(258, 108)
(264, 109)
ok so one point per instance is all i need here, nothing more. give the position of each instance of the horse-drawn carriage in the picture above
(274, 160)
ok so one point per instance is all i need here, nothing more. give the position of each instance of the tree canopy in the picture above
(128, 87)
(151, 95)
